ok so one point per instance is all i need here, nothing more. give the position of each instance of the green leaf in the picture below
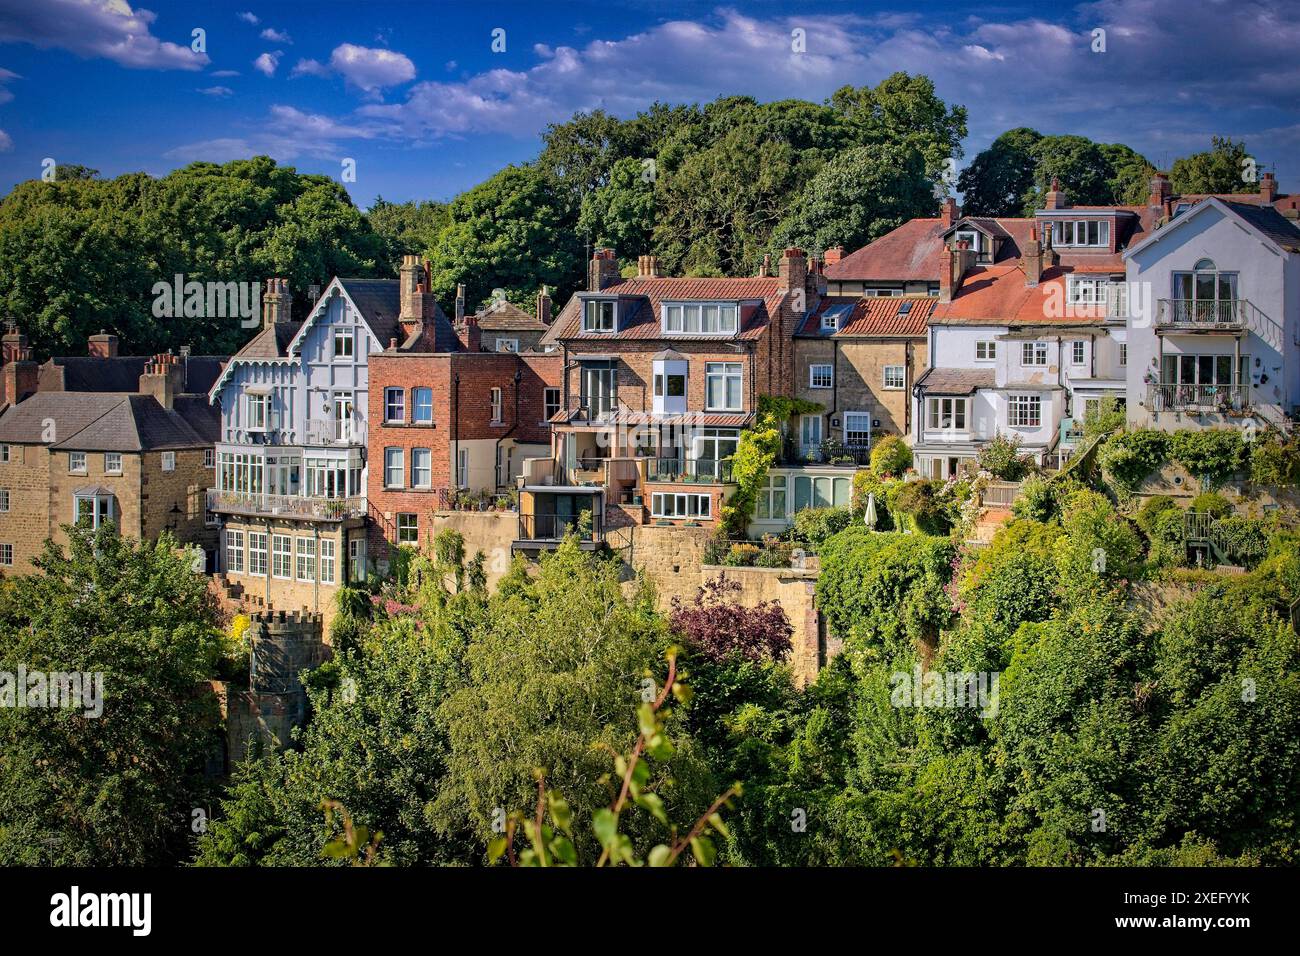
(654, 805)
(659, 747)
(496, 849)
(563, 851)
(335, 850)
(560, 812)
(605, 824)
(645, 717)
(703, 850)
(682, 692)
(659, 855)
(715, 820)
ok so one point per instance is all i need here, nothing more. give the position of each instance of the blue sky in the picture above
(415, 94)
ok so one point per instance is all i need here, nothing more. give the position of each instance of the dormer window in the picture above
(598, 315)
(700, 318)
(834, 315)
(1081, 232)
(970, 235)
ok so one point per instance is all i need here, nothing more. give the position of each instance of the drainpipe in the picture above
(315, 584)
(455, 429)
(496, 452)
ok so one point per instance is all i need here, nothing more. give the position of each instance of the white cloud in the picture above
(96, 28)
(309, 68)
(6, 143)
(267, 63)
(249, 18)
(217, 91)
(5, 77)
(287, 134)
(371, 69)
(225, 73)
(276, 36)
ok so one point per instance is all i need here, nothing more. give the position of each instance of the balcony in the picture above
(1205, 315)
(332, 431)
(691, 471)
(829, 452)
(1198, 399)
(290, 506)
(544, 532)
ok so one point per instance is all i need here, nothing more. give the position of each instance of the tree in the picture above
(997, 180)
(117, 787)
(407, 228)
(903, 110)
(506, 232)
(1220, 169)
(621, 213)
(717, 627)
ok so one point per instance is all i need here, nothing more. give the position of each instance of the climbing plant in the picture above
(756, 452)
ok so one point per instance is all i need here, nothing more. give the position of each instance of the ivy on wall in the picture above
(756, 452)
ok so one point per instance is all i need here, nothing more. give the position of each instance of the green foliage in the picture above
(1091, 174)
(1130, 456)
(1100, 547)
(1013, 579)
(1167, 534)
(1001, 456)
(1036, 500)
(1212, 503)
(890, 457)
(117, 787)
(1217, 170)
(1106, 418)
(1244, 540)
(742, 555)
(1275, 460)
(815, 525)
(1151, 509)
(921, 502)
(408, 228)
(1211, 454)
(621, 213)
(756, 452)
(996, 181)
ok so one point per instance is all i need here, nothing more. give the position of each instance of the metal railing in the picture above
(1204, 313)
(298, 506)
(555, 527)
(1169, 396)
(700, 470)
(331, 431)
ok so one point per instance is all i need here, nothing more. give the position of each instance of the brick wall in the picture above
(859, 377)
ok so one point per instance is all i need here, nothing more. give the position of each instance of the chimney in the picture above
(1160, 191)
(1056, 198)
(834, 255)
(417, 305)
(817, 277)
(20, 372)
(1267, 188)
(277, 303)
(460, 303)
(102, 345)
(602, 270)
(765, 270)
(313, 293)
(1033, 259)
(544, 307)
(470, 334)
(163, 378)
(647, 267)
(948, 212)
(793, 270)
(956, 262)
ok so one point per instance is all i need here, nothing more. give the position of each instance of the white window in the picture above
(970, 236)
(681, 506)
(1081, 232)
(947, 414)
(306, 559)
(6, 554)
(722, 386)
(496, 406)
(235, 552)
(1123, 353)
(986, 351)
(821, 376)
(831, 320)
(77, 462)
(327, 561)
(1117, 299)
(423, 406)
(94, 509)
(507, 345)
(408, 528)
(344, 344)
(394, 405)
(770, 505)
(4, 499)
(462, 468)
(421, 468)
(550, 403)
(598, 315)
(357, 559)
(112, 463)
(281, 556)
(169, 461)
(895, 376)
(857, 429)
(257, 553)
(259, 412)
(1025, 411)
(700, 318)
(209, 458)
(889, 293)
(1076, 353)
(1086, 290)
(394, 465)
(4, 454)
(1033, 353)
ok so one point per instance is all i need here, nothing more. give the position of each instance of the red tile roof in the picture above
(997, 295)
(641, 299)
(913, 251)
(872, 316)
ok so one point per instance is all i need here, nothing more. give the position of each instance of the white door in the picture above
(343, 417)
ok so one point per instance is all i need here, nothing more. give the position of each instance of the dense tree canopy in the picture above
(1225, 167)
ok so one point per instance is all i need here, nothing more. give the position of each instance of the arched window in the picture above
(1206, 265)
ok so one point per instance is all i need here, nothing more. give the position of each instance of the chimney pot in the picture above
(948, 214)
(1268, 188)
(602, 271)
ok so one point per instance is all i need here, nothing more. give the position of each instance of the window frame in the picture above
(689, 501)
(902, 378)
(399, 453)
(497, 399)
(109, 469)
(428, 468)
(279, 555)
(550, 408)
(329, 561)
(601, 323)
(304, 559)
(168, 461)
(402, 527)
(6, 555)
(343, 333)
(258, 554)
(990, 348)
(726, 372)
(1031, 352)
(1078, 352)
(1024, 410)
(392, 392)
(817, 369)
(959, 412)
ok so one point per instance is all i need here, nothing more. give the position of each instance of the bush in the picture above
(741, 555)
(774, 554)
(1108, 417)
(890, 457)
(1211, 455)
(716, 626)
(1130, 456)
(1150, 510)
(865, 483)
(815, 525)
(918, 501)
(1011, 581)
(1244, 540)
(1099, 547)
(1167, 548)
(1002, 458)
(717, 547)
(1036, 501)
(1212, 503)
(1275, 460)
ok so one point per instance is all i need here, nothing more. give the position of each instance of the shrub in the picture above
(716, 626)
(774, 554)
(1244, 540)
(1011, 581)
(1036, 501)
(716, 548)
(1130, 456)
(866, 483)
(1212, 503)
(815, 525)
(890, 456)
(1275, 460)
(1002, 458)
(917, 500)
(1167, 548)
(1211, 455)
(741, 555)
(1151, 509)
(1100, 545)
(1106, 418)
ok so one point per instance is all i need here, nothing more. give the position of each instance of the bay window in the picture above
(946, 414)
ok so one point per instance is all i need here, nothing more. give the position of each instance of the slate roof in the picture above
(105, 421)
(640, 301)
(508, 317)
(1271, 223)
(86, 373)
(956, 381)
(272, 342)
(872, 317)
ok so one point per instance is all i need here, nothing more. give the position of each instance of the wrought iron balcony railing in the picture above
(1204, 313)
(1211, 398)
(699, 470)
(296, 506)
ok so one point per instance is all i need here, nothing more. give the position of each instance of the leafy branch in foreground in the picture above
(549, 832)
(355, 840)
